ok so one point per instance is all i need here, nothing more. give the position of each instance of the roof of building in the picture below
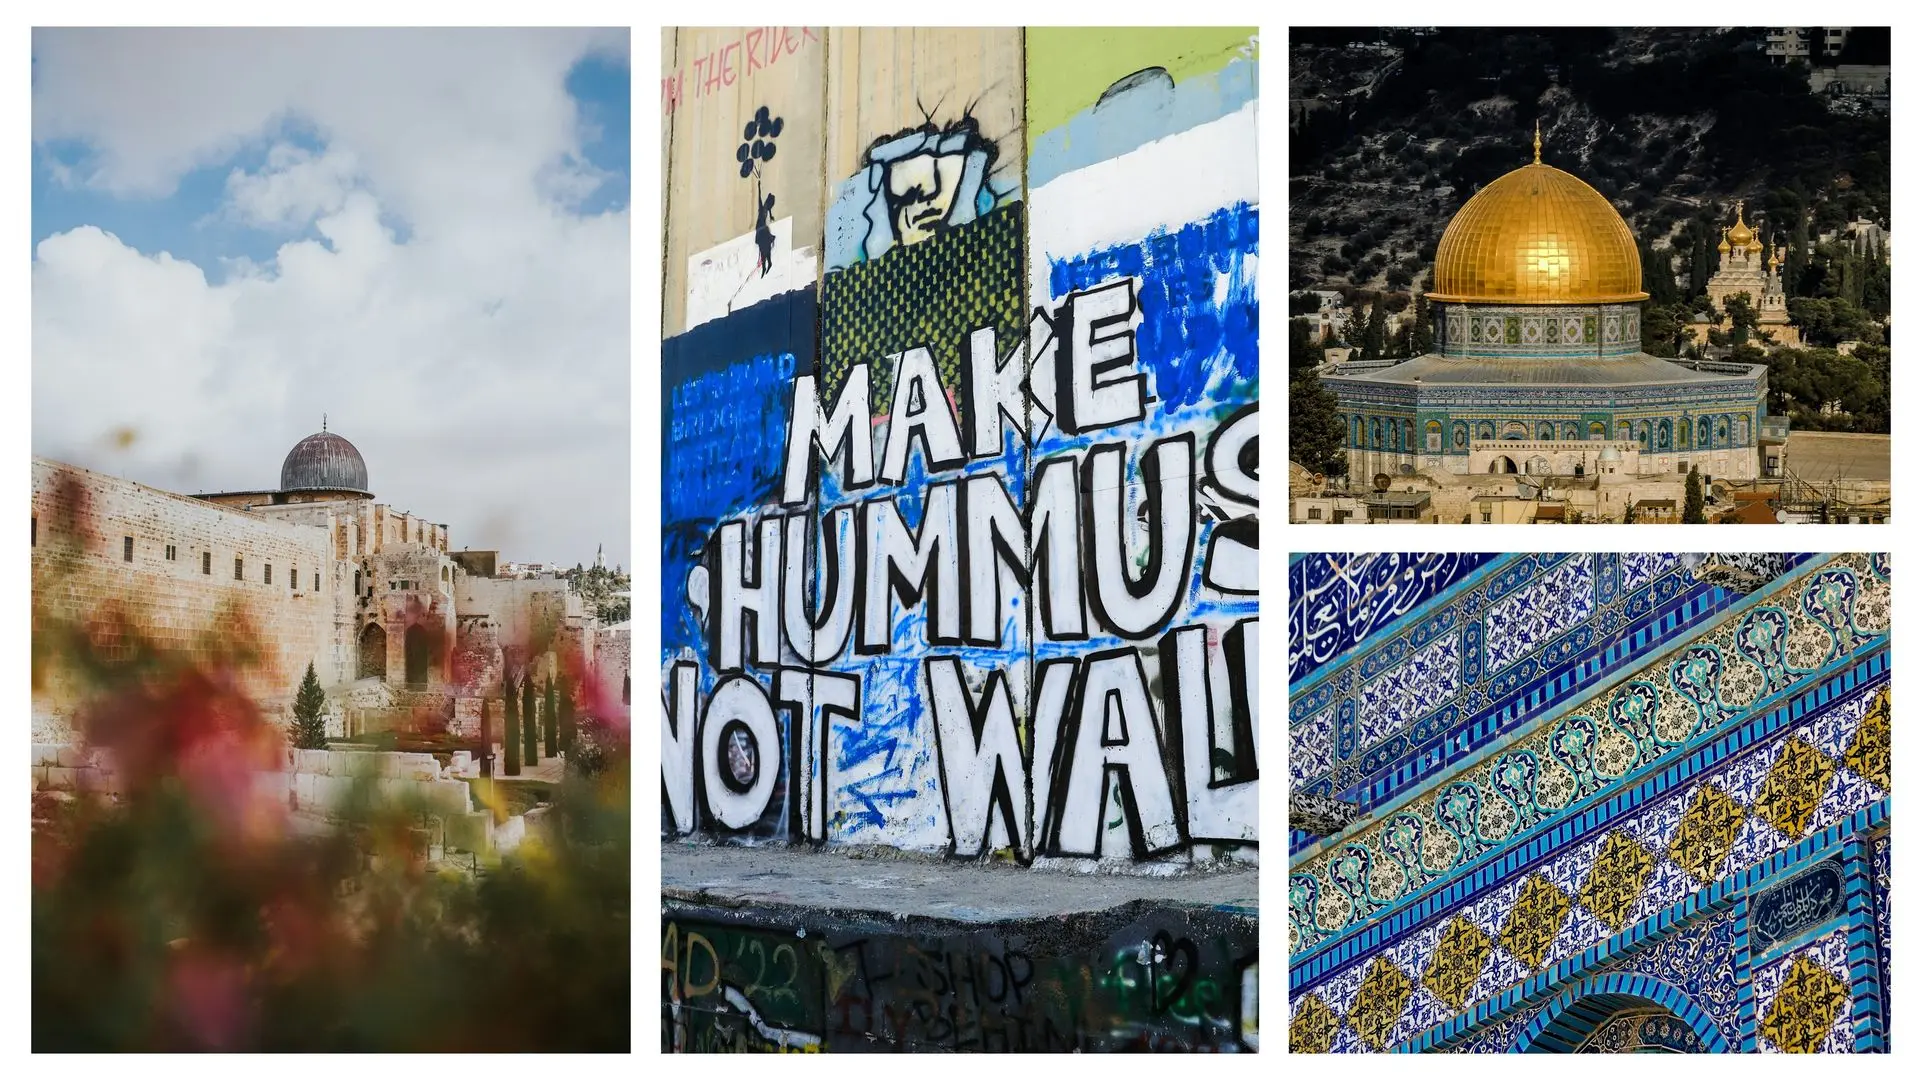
(1839, 455)
(1750, 512)
(323, 461)
(1537, 235)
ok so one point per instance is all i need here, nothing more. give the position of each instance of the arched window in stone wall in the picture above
(1665, 441)
(1596, 431)
(1486, 429)
(1433, 437)
(1686, 432)
(1514, 430)
(1359, 432)
(1546, 432)
(373, 652)
(1722, 430)
(1373, 427)
(1622, 431)
(1742, 432)
(1643, 432)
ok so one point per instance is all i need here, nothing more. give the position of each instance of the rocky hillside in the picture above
(1392, 130)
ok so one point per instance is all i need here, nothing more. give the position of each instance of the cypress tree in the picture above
(1376, 345)
(1696, 510)
(553, 719)
(309, 726)
(566, 716)
(486, 739)
(529, 722)
(512, 735)
(1422, 326)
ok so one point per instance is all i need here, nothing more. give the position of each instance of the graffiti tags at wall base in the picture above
(1167, 980)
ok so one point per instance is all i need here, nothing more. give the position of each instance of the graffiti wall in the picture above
(1163, 979)
(961, 457)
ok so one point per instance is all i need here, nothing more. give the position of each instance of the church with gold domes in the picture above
(1745, 268)
(1537, 367)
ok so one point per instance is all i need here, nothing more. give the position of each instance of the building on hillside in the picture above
(1746, 270)
(1536, 311)
(1592, 803)
(315, 571)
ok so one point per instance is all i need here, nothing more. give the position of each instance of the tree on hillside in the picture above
(1422, 326)
(1316, 435)
(1745, 321)
(1302, 350)
(1376, 341)
(1696, 509)
(309, 719)
(511, 736)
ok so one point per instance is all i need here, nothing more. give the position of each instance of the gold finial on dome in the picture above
(1740, 234)
(1536, 142)
(1538, 235)
(1724, 246)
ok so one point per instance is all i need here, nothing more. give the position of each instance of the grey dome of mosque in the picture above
(323, 461)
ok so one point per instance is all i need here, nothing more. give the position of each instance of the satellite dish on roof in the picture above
(1382, 481)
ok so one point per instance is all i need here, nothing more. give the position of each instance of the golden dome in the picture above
(1740, 234)
(1724, 246)
(1537, 236)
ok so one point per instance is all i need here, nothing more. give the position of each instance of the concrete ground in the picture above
(737, 876)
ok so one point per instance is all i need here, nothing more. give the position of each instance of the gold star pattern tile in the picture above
(1804, 1008)
(1377, 1005)
(1706, 833)
(1456, 963)
(1618, 874)
(1313, 1027)
(1535, 920)
(1791, 792)
(1870, 753)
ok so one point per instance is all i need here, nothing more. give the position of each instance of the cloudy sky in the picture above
(421, 233)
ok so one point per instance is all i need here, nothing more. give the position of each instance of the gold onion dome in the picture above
(1537, 236)
(1724, 246)
(1740, 234)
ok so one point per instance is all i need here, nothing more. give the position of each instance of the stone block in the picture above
(46, 754)
(303, 789)
(450, 796)
(60, 778)
(470, 832)
(509, 833)
(74, 757)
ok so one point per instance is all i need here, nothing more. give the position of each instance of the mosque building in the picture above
(1537, 367)
(1589, 802)
(1746, 269)
(314, 571)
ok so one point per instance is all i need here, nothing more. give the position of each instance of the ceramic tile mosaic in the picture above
(1761, 735)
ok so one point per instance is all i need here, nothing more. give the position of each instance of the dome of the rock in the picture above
(1537, 235)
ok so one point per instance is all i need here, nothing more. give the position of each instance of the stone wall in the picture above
(956, 466)
(187, 604)
(612, 660)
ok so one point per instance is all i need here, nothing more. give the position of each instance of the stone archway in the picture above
(373, 652)
(1502, 464)
(419, 649)
(1609, 1014)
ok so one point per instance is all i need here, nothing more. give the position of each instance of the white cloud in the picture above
(481, 365)
(295, 187)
